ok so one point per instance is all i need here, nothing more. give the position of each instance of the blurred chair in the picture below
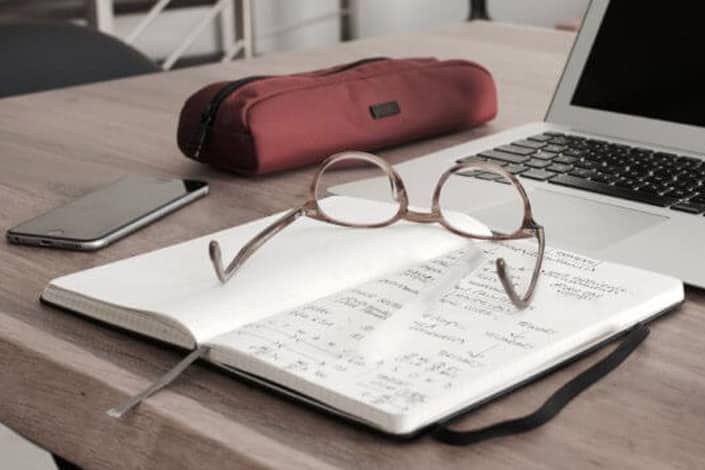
(44, 56)
(478, 10)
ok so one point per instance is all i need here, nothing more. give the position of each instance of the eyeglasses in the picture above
(511, 212)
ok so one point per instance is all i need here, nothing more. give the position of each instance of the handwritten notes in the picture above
(446, 349)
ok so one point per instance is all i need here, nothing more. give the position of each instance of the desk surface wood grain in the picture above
(59, 373)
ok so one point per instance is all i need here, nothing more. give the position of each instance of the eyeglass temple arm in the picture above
(519, 301)
(224, 274)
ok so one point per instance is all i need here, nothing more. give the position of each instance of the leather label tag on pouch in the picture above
(383, 110)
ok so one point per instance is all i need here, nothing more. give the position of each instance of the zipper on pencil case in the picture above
(352, 65)
(209, 114)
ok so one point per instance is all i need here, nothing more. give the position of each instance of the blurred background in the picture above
(186, 32)
(180, 33)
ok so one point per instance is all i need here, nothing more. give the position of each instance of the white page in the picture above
(469, 346)
(308, 260)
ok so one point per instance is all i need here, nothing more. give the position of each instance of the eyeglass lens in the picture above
(381, 188)
(489, 197)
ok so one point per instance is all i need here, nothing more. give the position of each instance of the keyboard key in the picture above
(605, 178)
(471, 158)
(536, 174)
(641, 154)
(540, 138)
(665, 156)
(595, 143)
(664, 173)
(543, 155)
(680, 193)
(649, 188)
(473, 172)
(634, 174)
(587, 164)
(581, 173)
(565, 159)
(516, 150)
(558, 141)
(686, 185)
(689, 207)
(688, 162)
(573, 152)
(529, 144)
(560, 167)
(515, 168)
(503, 156)
(537, 163)
(592, 156)
(626, 183)
(487, 175)
(601, 188)
(555, 148)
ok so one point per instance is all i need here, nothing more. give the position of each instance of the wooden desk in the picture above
(59, 373)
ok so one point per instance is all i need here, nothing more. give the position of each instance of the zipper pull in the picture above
(204, 129)
(208, 115)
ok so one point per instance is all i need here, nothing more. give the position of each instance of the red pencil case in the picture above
(261, 124)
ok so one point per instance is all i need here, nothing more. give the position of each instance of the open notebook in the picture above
(299, 313)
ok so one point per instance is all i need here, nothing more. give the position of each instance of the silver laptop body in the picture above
(631, 80)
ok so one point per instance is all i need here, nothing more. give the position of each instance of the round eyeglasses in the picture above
(504, 216)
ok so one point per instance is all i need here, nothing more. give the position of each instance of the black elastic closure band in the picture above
(554, 404)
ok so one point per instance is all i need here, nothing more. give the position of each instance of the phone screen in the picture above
(95, 215)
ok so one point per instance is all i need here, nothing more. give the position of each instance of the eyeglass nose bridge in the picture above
(423, 217)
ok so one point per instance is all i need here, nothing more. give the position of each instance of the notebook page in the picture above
(470, 345)
(306, 261)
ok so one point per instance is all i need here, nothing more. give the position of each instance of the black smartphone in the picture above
(98, 219)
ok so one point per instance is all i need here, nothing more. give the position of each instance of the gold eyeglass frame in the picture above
(529, 227)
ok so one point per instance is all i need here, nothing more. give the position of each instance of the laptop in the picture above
(617, 169)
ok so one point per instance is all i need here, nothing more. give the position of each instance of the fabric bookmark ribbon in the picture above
(163, 381)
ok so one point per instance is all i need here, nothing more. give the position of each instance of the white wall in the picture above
(389, 16)
(373, 18)
(376, 18)
(272, 15)
(536, 12)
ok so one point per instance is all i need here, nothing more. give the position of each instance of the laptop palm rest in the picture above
(578, 224)
(571, 222)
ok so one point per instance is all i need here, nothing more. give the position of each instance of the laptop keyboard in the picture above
(636, 174)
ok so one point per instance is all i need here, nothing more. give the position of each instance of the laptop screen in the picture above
(648, 60)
